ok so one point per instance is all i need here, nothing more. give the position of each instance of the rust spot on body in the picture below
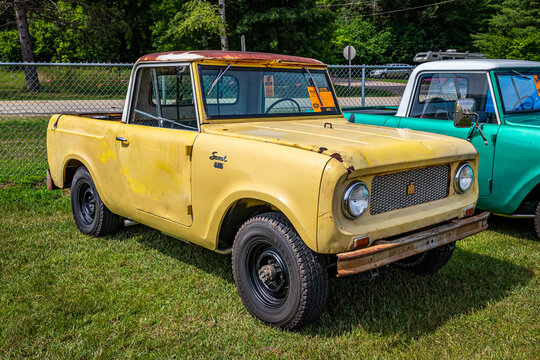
(337, 156)
(233, 55)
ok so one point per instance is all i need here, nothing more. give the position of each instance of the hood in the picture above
(357, 146)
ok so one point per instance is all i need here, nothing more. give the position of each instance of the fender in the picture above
(226, 204)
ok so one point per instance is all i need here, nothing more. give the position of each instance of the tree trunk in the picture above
(30, 72)
(224, 40)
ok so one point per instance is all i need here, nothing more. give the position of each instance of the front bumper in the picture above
(383, 252)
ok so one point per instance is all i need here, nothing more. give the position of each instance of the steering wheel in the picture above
(281, 100)
(521, 104)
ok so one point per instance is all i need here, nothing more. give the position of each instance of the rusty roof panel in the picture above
(226, 55)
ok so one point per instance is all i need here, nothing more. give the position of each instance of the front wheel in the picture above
(91, 216)
(279, 279)
(428, 262)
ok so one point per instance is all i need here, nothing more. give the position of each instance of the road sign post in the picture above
(350, 53)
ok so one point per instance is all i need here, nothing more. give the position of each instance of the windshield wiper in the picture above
(520, 75)
(216, 79)
(314, 85)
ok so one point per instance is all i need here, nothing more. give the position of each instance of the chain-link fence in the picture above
(31, 92)
(369, 85)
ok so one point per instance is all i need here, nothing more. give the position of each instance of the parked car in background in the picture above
(392, 71)
(506, 130)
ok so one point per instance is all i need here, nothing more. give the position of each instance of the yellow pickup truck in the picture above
(249, 154)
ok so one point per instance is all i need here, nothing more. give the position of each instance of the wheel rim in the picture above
(267, 273)
(87, 203)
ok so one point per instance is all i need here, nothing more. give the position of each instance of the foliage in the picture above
(513, 31)
(88, 33)
(381, 31)
(10, 48)
(187, 29)
(372, 45)
(285, 26)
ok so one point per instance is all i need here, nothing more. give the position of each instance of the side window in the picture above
(163, 97)
(436, 95)
(440, 86)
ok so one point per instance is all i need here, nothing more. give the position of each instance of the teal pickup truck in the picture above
(504, 124)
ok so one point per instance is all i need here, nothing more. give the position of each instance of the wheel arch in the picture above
(242, 208)
(70, 167)
(530, 200)
(524, 191)
(237, 213)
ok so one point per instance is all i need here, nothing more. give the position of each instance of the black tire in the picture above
(428, 262)
(537, 220)
(279, 279)
(90, 214)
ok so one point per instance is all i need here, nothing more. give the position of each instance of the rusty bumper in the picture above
(384, 252)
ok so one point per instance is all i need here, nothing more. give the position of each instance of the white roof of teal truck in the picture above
(475, 64)
(456, 66)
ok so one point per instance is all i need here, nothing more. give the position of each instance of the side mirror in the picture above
(464, 113)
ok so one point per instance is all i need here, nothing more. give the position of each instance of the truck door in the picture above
(154, 146)
(432, 110)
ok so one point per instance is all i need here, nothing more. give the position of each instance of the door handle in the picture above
(122, 139)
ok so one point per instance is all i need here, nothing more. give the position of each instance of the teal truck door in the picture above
(432, 110)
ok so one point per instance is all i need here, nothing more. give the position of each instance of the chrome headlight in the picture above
(463, 179)
(355, 200)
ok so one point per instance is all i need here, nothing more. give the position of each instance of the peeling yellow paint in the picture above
(110, 154)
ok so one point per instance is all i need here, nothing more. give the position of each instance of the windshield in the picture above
(520, 92)
(243, 92)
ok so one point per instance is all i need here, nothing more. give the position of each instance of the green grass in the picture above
(140, 294)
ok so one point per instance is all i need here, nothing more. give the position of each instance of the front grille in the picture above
(408, 188)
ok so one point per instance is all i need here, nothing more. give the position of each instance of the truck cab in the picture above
(507, 98)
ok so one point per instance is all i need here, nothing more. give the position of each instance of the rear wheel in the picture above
(537, 220)
(90, 214)
(428, 262)
(279, 279)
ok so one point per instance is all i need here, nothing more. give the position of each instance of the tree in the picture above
(284, 26)
(27, 52)
(513, 31)
(395, 30)
(187, 25)
(372, 45)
